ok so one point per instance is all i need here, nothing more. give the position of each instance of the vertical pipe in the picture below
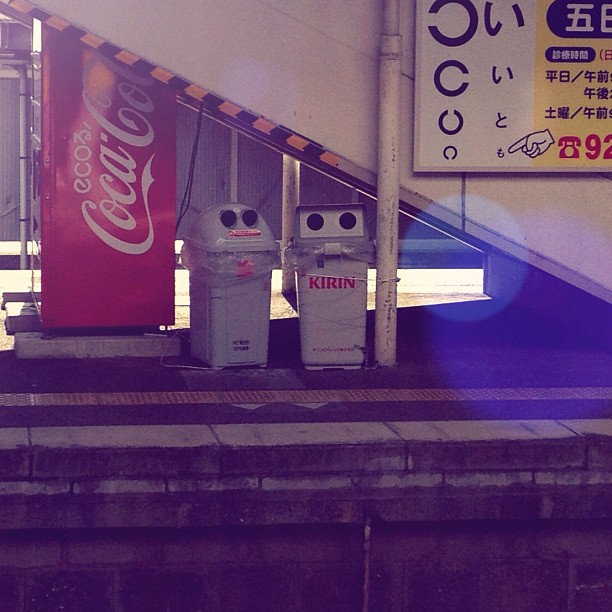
(367, 547)
(23, 166)
(388, 186)
(234, 166)
(291, 195)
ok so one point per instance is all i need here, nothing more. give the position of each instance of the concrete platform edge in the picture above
(195, 476)
(38, 345)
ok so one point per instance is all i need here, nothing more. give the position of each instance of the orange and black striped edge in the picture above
(279, 137)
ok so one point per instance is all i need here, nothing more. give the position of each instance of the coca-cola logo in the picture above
(112, 166)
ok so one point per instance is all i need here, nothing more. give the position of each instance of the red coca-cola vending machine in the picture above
(107, 191)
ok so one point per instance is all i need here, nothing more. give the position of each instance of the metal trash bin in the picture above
(230, 253)
(331, 253)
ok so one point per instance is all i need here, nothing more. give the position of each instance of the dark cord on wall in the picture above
(186, 201)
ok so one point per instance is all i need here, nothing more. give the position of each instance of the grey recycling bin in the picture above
(330, 253)
(230, 253)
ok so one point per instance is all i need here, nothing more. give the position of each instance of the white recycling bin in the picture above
(330, 253)
(230, 253)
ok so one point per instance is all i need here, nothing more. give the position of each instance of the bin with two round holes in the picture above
(230, 253)
(330, 253)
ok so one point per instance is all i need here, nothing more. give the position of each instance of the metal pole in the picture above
(23, 166)
(291, 195)
(367, 547)
(234, 166)
(388, 187)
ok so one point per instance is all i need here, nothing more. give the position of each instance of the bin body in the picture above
(332, 305)
(230, 253)
(331, 253)
(229, 325)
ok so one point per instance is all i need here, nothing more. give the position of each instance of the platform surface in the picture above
(461, 357)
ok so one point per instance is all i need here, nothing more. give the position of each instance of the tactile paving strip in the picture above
(318, 396)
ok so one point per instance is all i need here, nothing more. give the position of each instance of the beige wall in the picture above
(311, 65)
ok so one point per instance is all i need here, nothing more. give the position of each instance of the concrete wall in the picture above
(475, 567)
(258, 182)
(311, 68)
(488, 516)
(258, 174)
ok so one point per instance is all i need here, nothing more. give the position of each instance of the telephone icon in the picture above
(570, 147)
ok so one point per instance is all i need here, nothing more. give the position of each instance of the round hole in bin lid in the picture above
(228, 218)
(315, 222)
(250, 217)
(348, 220)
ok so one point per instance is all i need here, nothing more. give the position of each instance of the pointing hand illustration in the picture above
(533, 144)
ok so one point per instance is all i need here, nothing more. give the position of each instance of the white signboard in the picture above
(513, 86)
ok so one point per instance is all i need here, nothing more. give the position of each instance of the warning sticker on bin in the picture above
(242, 233)
(245, 267)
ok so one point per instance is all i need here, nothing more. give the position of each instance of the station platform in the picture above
(489, 445)
(460, 356)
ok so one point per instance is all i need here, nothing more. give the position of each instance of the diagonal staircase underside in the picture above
(302, 78)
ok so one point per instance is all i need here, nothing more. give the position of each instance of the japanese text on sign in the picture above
(513, 85)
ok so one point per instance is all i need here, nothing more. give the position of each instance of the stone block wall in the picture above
(469, 516)
(424, 567)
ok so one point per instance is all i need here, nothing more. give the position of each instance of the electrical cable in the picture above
(186, 201)
(179, 366)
